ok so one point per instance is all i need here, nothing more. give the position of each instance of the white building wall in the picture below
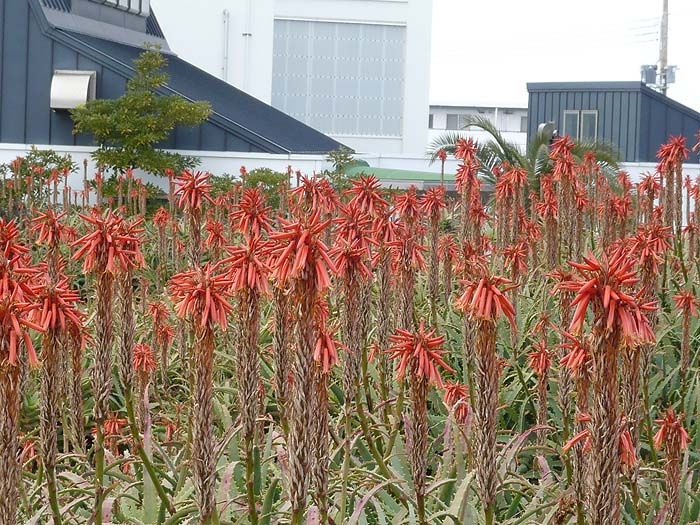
(240, 51)
(507, 121)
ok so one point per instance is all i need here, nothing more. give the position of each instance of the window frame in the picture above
(577, 113)
(593, 112)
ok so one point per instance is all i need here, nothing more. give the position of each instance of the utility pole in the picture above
(663, 50)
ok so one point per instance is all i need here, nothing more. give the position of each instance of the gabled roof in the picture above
(234, 111)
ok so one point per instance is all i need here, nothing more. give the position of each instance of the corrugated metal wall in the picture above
(27, 61)
(661, 118)
(618, 114)
(632, 117)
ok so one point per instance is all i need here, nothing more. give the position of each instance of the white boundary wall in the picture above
(219, 163)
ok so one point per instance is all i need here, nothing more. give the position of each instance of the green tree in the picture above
(129, 128)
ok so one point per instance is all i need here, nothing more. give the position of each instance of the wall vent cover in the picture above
(70, 89)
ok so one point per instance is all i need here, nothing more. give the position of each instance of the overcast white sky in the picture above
(485, 51)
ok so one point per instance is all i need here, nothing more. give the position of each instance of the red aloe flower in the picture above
(48, 227)
(299, 252)
(602, 285)
(15, 318)
(193, 190)
(54, 306)
(144, 359)
(350, 259)
(161, 218)
(447, 248)
(316, 193)
(456, 397)
(687, 303)
(215, 238)
(540, 358)
(626, 448)
(251, 216)
(367, 195)
(433, 202)
(515, 256)
(406, 251)
(10, 244)
(249, 264)
(675, 439)
(203, 294)
(486, 299)
(110, 246)
(672, 152)
(406, 204)
(578, 356)
(159, 312)
(354, 225)
(325, 351)
(422, 350)
(650, 243)
(670, 430)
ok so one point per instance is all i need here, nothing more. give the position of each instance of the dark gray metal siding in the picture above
(662, 117)
(631, 116)
(618, 112)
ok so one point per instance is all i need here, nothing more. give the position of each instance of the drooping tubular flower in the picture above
(325, 351)
(215, 239)
(578, 355)
(161, 218)
(671, 432)
(626, 449)
(193, 190)
(15, 319)
(144, 360)
(251, 215)
(354, 226)
(602, 285)
(466, 150)
(515, 257)
(406, 204)
(456, 398)
(350, 258)
(433, 202)
(48, 227)
(421, 351)
(674, 438)
(540, 362)
(298, 252)
(649, 245)
(447, 254)
(316, 194)
(367, 195)
(203, 295)
(55, 306)
(486, 299)
(687, 303)
(107, 247)
(249, 265)
(11, 246)
(540, 359)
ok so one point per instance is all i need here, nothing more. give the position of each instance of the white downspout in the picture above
(247, 35)
(227, 36)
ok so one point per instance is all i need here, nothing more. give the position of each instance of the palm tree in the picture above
(535, 159)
